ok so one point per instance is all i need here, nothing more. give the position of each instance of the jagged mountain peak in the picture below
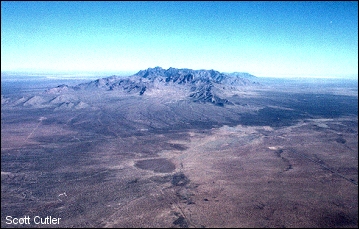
(198, 85)
(182, 75)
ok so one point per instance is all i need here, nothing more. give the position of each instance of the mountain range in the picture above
(199, 85)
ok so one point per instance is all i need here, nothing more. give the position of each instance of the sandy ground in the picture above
(178, 164)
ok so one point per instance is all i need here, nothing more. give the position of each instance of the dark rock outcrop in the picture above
(202, 85)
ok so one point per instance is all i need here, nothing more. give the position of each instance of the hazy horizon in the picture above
(99, 74)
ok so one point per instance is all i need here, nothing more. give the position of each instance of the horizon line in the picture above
(94, 73)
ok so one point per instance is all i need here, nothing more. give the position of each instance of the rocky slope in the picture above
(199, 85)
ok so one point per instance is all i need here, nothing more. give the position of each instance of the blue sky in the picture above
(277, 39)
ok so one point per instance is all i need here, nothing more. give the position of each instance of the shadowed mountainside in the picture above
(200, 85)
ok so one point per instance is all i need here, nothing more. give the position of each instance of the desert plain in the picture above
(281, 155)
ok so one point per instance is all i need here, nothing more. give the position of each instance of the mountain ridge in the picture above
(199, 85)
